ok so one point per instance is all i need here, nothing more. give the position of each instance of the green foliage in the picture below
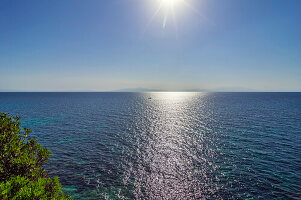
(21, 160)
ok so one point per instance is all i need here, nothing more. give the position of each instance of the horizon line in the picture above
(163, 91)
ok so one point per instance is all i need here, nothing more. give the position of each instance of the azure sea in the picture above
(167, 145)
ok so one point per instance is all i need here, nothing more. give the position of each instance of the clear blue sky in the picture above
(101, 45)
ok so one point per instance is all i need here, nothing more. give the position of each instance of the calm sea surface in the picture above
(168, 145)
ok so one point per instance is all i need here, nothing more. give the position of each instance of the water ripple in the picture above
(168, 145)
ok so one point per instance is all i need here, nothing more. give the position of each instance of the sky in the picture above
(108, 45)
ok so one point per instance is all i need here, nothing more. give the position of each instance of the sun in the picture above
(170, 3)
(169, 8)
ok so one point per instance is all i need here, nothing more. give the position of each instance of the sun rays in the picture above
(168, 8)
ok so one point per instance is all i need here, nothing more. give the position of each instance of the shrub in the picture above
(21, 158)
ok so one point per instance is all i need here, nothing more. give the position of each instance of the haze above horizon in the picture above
(163, 45)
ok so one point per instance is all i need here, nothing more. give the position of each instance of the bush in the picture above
(21, 160)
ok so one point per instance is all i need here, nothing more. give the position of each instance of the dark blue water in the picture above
(168, 145)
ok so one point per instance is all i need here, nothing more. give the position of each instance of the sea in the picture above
(167, 145)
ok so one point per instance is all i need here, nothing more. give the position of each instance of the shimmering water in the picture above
(168, 145)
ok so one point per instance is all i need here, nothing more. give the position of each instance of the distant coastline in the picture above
(225, 89)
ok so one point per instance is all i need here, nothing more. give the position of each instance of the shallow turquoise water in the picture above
(168, 145)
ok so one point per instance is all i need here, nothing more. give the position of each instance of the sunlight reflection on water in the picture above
(169, 149)
(167, 145)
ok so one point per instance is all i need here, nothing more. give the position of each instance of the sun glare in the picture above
(170, 3)
(169, 9)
